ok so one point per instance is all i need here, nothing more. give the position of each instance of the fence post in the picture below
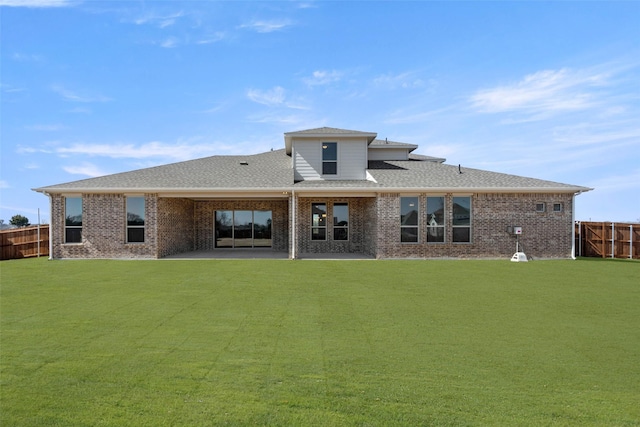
(613, 239)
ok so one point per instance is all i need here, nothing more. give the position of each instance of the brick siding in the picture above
(175, 225)
(104, 231)
(545, 235)
(360, 227)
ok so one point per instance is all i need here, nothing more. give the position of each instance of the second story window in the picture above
(329, 158)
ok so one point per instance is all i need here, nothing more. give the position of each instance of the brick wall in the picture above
(176, 229)
(103, 228)
(360, 227)
(181, 225)
(546, 234)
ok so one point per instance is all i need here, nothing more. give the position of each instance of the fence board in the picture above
(23, 242)
(608, 239)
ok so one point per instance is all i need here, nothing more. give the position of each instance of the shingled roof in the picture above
(272, 171)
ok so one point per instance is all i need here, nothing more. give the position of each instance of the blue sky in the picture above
(549, 90)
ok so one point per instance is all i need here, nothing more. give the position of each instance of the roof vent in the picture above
(244, 163)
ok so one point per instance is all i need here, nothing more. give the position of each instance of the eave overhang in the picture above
(284, 192)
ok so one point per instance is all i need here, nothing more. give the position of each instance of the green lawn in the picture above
(276, 342)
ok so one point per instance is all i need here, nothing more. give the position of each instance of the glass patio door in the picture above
(243, 229)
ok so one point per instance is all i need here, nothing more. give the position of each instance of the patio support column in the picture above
(293, 222)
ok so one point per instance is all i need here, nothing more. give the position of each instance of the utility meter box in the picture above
(517, 230)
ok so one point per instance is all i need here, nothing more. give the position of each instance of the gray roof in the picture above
(270, 170)
(430, 175)
(328, 131)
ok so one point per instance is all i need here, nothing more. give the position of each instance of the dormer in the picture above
(328, 153)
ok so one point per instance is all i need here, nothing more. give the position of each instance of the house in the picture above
(328, 191)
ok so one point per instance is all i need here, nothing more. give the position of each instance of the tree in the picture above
(19, 221)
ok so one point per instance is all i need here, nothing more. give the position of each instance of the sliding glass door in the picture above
(243, 229)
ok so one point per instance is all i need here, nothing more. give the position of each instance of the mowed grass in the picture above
(323, 343)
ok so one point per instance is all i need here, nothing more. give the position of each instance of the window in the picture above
(329, 158)
(73, 220)
(135, 219)
(409, 219)
(341, 221)
(318, 221)
(540, 207)
(557, 207)
(435, 219)
(462, 219)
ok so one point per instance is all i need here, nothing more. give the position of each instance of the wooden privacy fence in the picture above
(24, 242)
(608, 239)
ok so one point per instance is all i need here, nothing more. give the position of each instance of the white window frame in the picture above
(541, 207)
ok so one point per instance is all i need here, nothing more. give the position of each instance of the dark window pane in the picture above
(409, 234)
(329, 168)
(318, 233)
(318, 215)
(135, 210)
(73, 211)
(329, 151)
(435, 234)
(462, 211)
(224, 229)
(73, 235)
(462, 234)
(340, 234)
(262, 228)
(435, 211)
(135, 235)
(409, 210)
(341, 214)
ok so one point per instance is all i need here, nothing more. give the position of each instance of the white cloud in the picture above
(169, 42)
(37, 3)
(270, 97)
(24, 57)
(180, 150)
(162, 21)
(267, 26)
(87, 169)
(4, 184)
(10, 88)
(542, 93)
(403, 81)
(70, 95)
(323, 77)
(46, 128)
(212, 38)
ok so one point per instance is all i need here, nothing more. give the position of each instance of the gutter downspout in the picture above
(50, 225)
(293, 224)
(573, 226)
